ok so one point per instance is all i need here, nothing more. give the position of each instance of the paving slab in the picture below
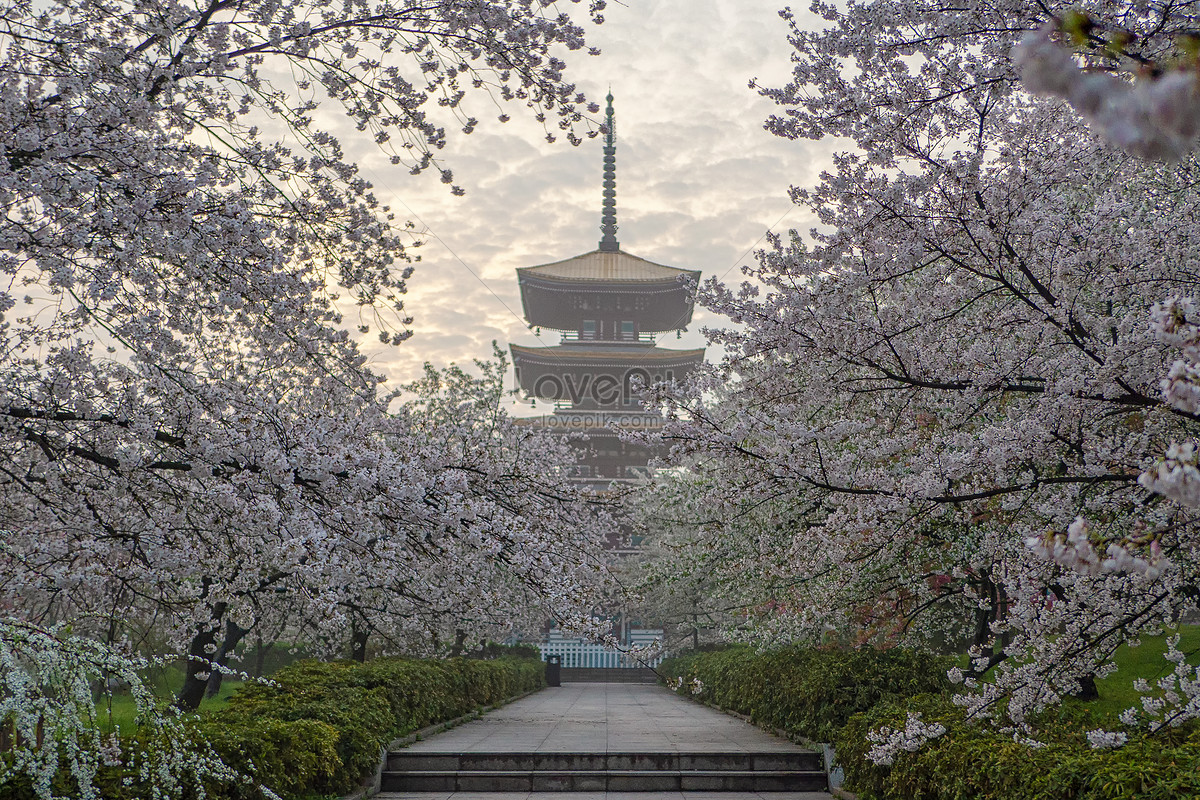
(604, 718)
(603, 796)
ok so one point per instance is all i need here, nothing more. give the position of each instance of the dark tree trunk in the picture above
(982, 637)
(460, 638)
(199, 655)
(360, 632)
(260, 654)
(233, 636)
(1087, 688)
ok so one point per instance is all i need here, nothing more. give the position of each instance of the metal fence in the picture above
(577, 653)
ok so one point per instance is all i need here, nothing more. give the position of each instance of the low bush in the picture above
(318, 727)
(293, 757)
(971, 761)
(843, 695)
(809, 692)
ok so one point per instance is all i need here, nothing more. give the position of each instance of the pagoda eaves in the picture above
(598, 377)
(608, 285)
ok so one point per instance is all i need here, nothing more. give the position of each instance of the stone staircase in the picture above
(612, 772)
(608, 675)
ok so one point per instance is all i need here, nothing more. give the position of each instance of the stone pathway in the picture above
(603, 796)
(604, 718)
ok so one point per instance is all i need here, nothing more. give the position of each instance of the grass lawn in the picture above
(118, 712)
(1144, 661)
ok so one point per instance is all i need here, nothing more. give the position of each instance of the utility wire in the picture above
(790, 208)
(432, 233)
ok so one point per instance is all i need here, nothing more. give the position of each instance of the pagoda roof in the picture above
(607, 354)
(615, 266)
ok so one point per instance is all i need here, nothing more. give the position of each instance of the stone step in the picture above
(795, 761)
(608, 675)
(631, 780)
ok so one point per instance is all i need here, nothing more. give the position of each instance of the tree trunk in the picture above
(198, 662)
(360, 632)
(1087, 688)
(260, 654)
(233, 636)
(460, 638)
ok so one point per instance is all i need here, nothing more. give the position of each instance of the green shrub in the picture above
(809, 692)
(318, 727)
(351, 710)
(971, 761)
(293, 757)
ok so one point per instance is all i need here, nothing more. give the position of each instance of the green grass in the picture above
(1144, 661)
(118, 712)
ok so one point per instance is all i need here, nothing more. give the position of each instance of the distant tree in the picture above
(691, 576)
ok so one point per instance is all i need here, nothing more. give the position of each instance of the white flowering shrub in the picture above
(48, 716)
(1101, 739)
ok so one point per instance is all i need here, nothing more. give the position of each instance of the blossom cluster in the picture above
(887, 743)
(1176, 323)
(1155, 118)
(1077, 552)
(695, 685)
(1101, 739)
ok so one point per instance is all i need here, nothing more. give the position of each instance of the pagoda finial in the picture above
(608, 219)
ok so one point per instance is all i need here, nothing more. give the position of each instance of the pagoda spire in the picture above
(608, 219)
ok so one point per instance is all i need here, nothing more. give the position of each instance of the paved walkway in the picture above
(604, 718)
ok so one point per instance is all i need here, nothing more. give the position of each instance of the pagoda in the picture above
(608, 306)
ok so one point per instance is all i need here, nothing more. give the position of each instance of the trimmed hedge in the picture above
(840, 696)
(804, 691)
(317, 728)
(969, 761)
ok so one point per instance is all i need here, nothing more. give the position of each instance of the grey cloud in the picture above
(698, 180)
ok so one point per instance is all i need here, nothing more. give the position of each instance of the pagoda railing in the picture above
(638, 338)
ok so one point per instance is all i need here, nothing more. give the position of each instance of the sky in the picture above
(699, 182)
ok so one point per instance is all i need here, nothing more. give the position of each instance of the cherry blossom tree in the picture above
(188, 430)
(516, 541)
(1130, 70)
(690, 576)
(950, 394)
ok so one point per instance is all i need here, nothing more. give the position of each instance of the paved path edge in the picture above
(803, 741)
(372, 783)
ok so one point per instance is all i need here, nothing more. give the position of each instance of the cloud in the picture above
(698, 179)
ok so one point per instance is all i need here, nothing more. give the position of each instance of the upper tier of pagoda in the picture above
(606, 288)
(609, 305)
